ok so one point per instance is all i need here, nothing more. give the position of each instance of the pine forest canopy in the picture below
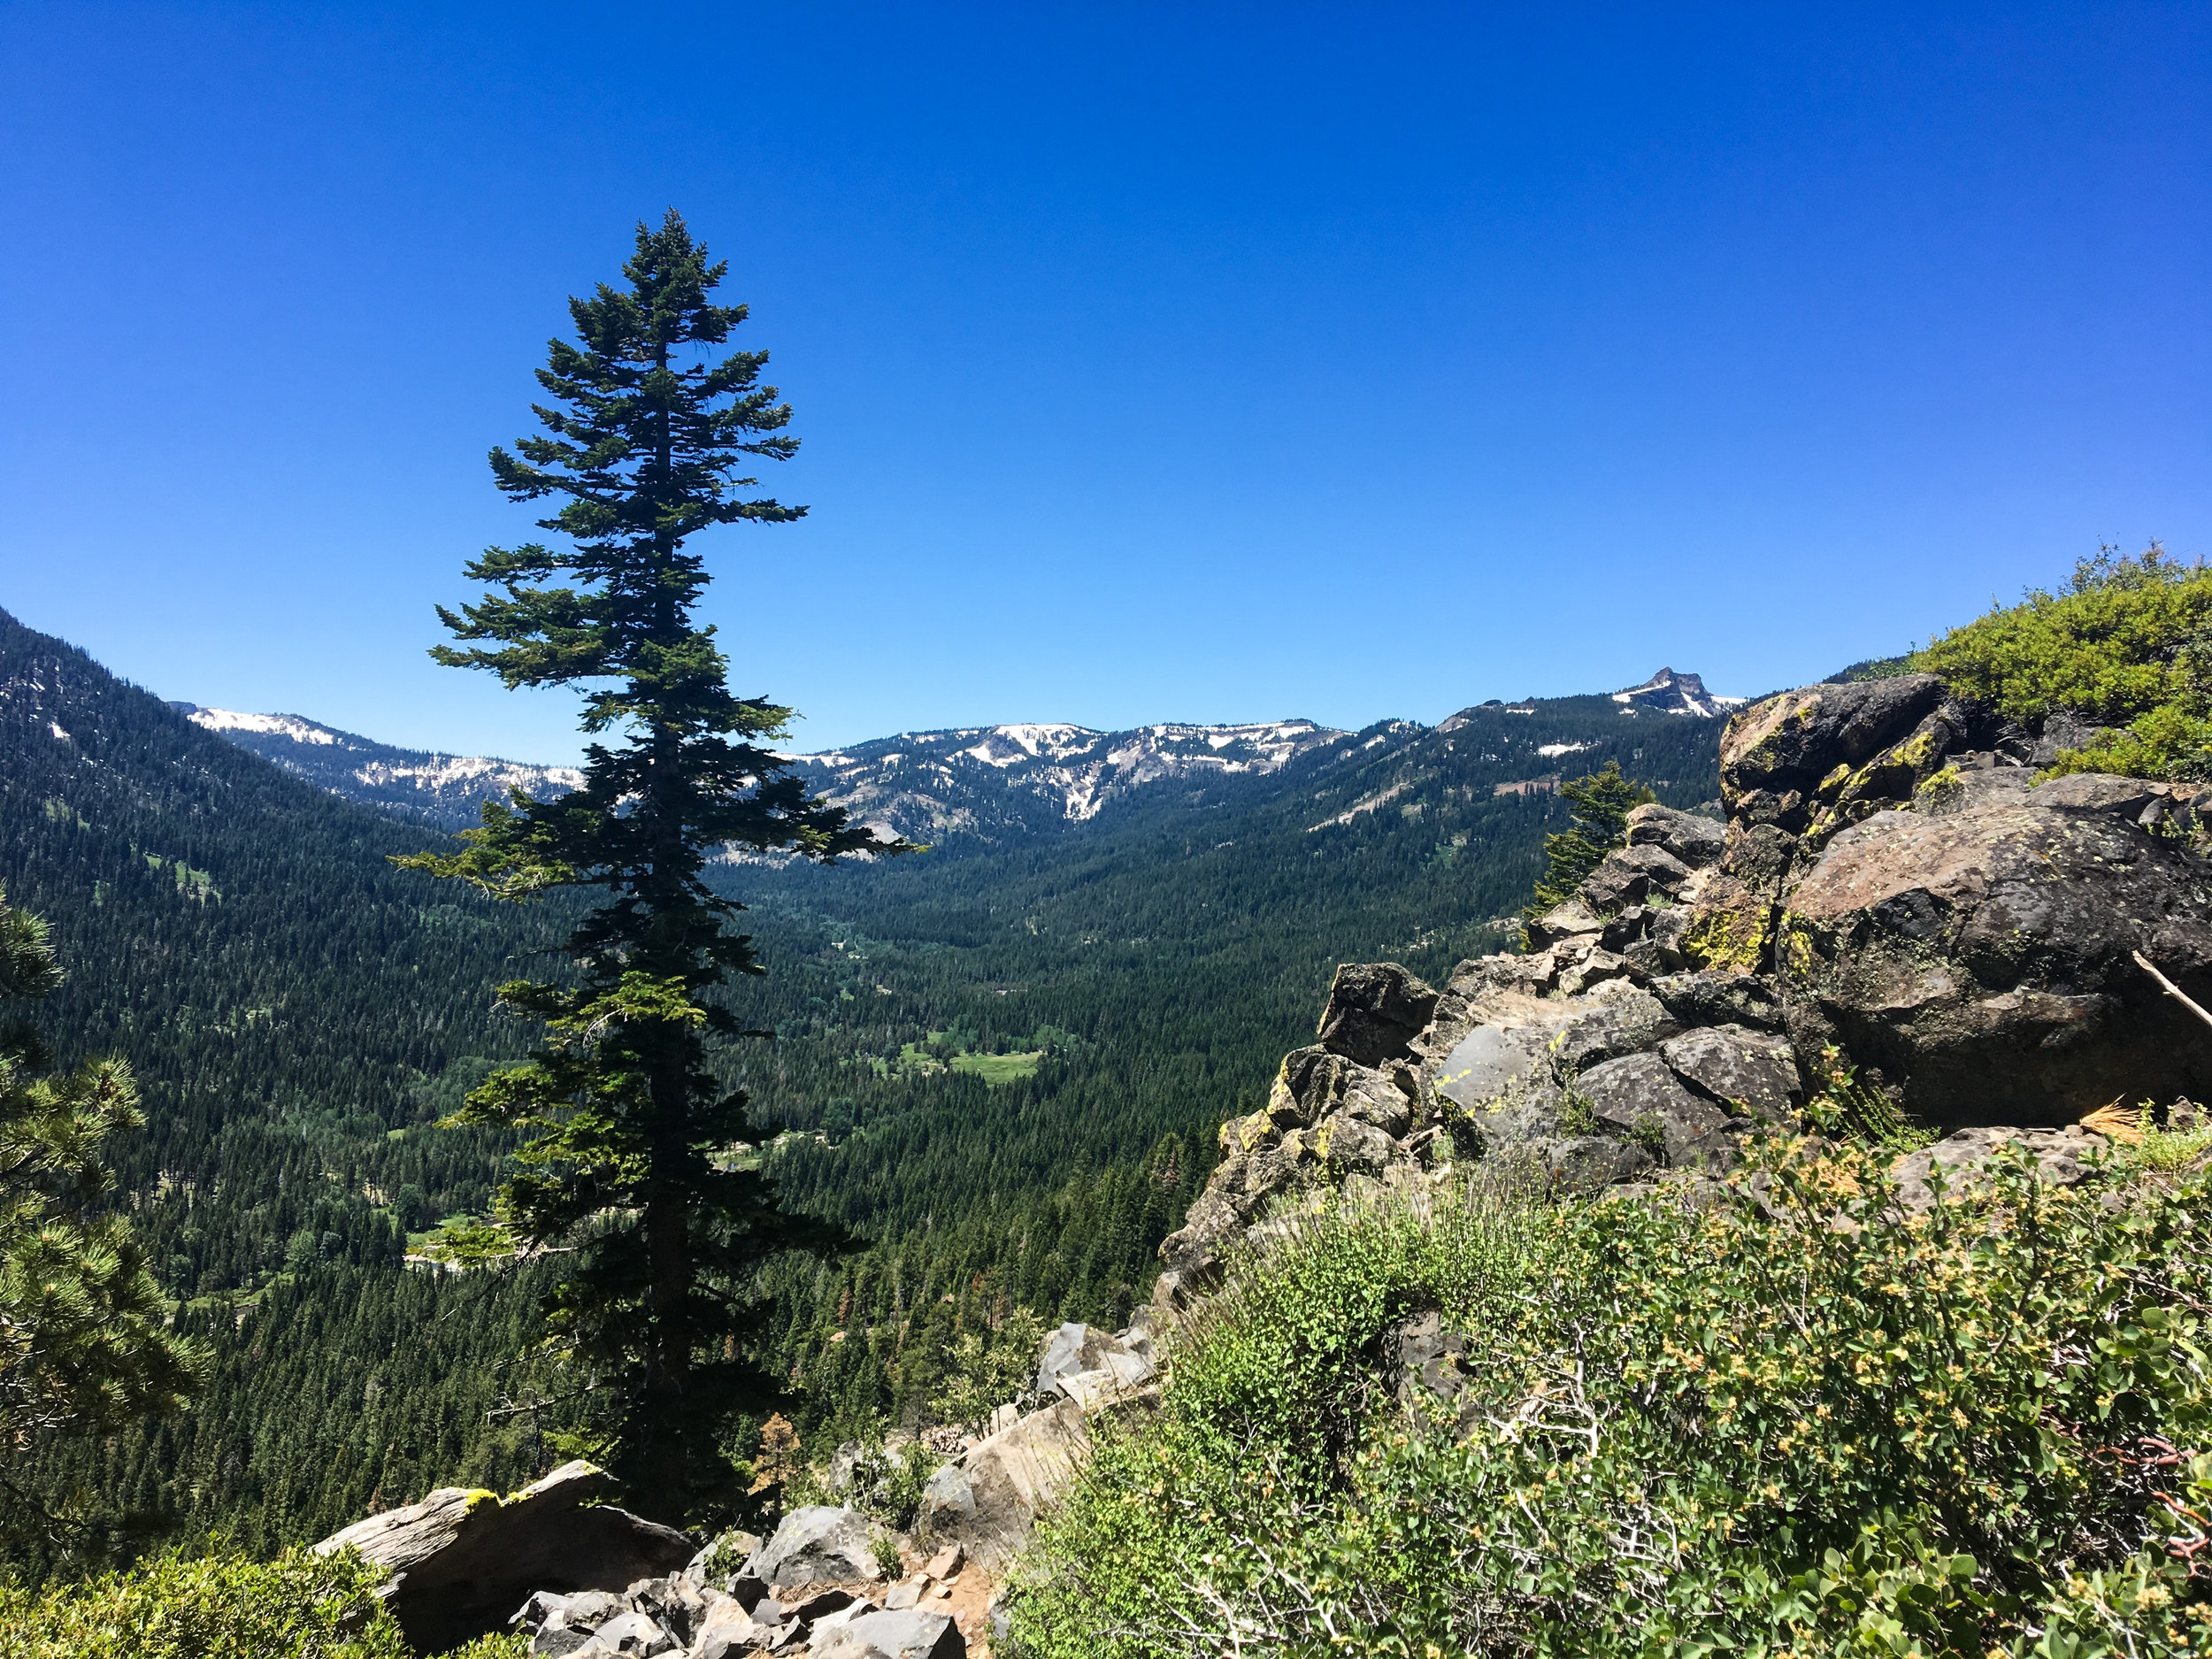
(630, 1167)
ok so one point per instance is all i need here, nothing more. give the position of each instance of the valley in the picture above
(1001, 1062)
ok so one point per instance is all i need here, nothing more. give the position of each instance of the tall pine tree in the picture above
(645, 434)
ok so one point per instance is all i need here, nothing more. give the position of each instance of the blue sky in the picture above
(1191, 362)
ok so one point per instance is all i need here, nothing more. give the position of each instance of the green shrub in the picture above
(2127, 643)
(1807, 1424)
(219, 1607)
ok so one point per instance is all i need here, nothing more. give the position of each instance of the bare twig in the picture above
(2173, 990)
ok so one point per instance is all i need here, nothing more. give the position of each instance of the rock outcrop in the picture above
(813, 1588)
(1893, 890)
(461, 1562)
(817, 1545)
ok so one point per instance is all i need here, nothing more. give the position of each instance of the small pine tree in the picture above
(84, 1348)
(631, 1167)
(1600, 804)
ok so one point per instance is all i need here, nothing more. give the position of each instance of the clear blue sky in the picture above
(1189, 362)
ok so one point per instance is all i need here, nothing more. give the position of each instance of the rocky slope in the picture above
(1892, 889)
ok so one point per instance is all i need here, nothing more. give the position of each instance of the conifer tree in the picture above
(84, 1348)
(1600, 804)
(646, 431)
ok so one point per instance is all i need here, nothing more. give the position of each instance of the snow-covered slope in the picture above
(998, 781)
(1667, 692)
(447, 790)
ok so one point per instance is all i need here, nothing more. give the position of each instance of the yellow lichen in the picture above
(1727, 938)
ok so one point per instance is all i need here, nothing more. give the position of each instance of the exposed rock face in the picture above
(1009, 1478)
(1983, 960)
(462, 1561)
(1892, 883)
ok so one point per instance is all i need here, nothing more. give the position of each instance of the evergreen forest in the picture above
(1000, 1064)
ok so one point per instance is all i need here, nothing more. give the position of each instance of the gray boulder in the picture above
(2097, 791)
(1572, 920)
(1374, 1010)
(727, 1631)
(1982, 962)
(909, 1633)
(948, 1500)
(1631, 875)
(1493, 1063)
(1075, 1348)
(2062, 730)
(1743, 1070)
(2062, 1158)
(1614, 1020)
(1012, 1477)
(817, 1545)
(633, 1635)
(1711, 998)
(461, 1562)
(1640, 1089)
(1693, 840)
(1588, 1163)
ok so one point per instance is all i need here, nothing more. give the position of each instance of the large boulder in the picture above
(1010, 1478)
(1744, 1070)
(1076, 1349)
(1695, 840)
(461, 1562)
(1789, 745)
(2062, 1159)
(907, 1634)
(1639, 1095)
(1982, 961)
(817, 1545)
(1374, 1010)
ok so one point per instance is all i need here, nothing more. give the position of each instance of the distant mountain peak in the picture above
(447, 790)
(1667, 692)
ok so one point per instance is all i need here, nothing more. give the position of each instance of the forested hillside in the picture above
(1004, 1064)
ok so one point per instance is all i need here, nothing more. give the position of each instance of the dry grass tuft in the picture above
(2123, 1124)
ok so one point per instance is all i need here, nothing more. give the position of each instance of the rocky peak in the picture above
(1667, 692)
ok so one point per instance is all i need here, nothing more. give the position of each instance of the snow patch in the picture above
(267, 724)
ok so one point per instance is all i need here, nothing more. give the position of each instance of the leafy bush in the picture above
(1805, 1425)
(2127, 643)
(986, 1368)
(221, 1606)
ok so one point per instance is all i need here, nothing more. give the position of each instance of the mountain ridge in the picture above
(1016, 780)
(427, 785)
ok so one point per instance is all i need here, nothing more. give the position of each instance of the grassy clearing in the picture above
(999, 1068)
